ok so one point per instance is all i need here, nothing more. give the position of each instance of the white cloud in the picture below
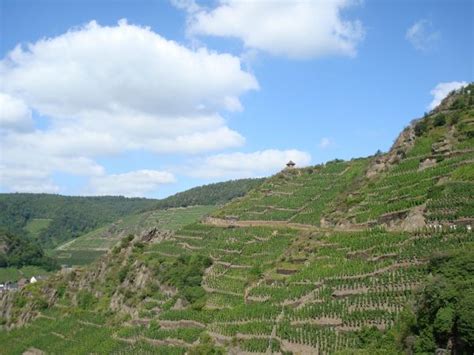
(325, 143)
(422, 35)
(296, 29)
(240, 165)
(106, 90)
(442, 90)
(14, 114)
(23, 179)
(132, 184)
(123, 69)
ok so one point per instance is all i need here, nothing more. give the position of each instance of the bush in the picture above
(445, 309)
(439, 120)
(420, 128)
(122, 274)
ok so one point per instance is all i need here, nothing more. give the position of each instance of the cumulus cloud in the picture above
(14, 114)
(442, 90)
(240, 165)
(132, 184)
(110, 89)
(422, 35)
(123, 69)
(296, 29)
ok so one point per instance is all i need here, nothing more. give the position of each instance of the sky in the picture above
(149, 98)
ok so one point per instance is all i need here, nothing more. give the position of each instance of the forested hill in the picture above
(212, 194)
(53, 219)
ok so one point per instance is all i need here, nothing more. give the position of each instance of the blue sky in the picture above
(186, 93)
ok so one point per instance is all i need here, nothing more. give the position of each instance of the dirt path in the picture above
(274, 330)
(220, 222)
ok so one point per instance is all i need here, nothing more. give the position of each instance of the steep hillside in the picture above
(340, 258)
(298, 195)
(425, 179)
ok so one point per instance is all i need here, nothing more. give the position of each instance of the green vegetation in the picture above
(444, 313)
(13, 274)
(90, 246)
(314, 260)
(212, 194)
(55, 219)
(69, 217)
(299, 195)
(36, 225)
(19, 252)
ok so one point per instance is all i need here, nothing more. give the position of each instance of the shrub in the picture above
(439, 120)
(420, 128)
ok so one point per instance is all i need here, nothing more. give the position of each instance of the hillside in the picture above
(90, 246)
(425, 178)
(373, 255)
(212, 194)
(53, 219)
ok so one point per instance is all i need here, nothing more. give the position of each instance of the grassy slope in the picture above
(36, 225)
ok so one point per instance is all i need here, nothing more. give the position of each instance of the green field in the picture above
(36, 225)
(14, 274)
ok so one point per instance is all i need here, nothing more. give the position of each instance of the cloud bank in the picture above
(294, 29)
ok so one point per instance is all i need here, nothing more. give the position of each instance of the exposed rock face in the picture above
(392, 220)
(137, 279)
(427, 163)
(415, 219)
(17, 317)
(180, 304)
(404, 142)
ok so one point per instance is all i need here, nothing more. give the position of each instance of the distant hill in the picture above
(55, 219)
(212, 194)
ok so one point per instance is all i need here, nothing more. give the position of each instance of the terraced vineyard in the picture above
(427, 174)
(89, 247)
(299, 195)
(267, 289)
(310, 262)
